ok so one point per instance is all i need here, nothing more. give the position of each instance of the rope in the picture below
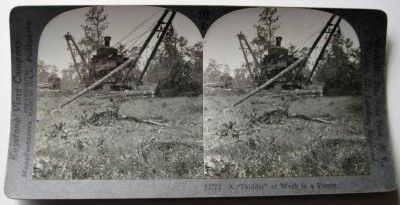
(137, 27)
(305, 41)
(315, 27)
(141, 35)
(137, 38)
(134, 44)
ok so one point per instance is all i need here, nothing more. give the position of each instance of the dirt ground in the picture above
(118, 136)
(282, 134)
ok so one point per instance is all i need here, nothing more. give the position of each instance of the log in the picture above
(97, 83)
(120, 67)
(321, 54)
(270, 81)
(155, 49)
(315, 119)
(314, 45)
(160, 21)
(150, 122)
(43, 85)
(246, 59)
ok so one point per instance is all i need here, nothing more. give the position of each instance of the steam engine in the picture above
(106, 59)
(277, 59)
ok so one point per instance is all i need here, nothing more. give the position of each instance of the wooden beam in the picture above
(130, 61)
(321, 54)
(251, 51)
(153, 52)
(323, 31)
(73, 57)
(159, 22)
(246, 59)
(78, 50)
(258, 89)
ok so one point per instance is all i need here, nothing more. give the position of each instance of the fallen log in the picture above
(276, 116)
(293, 94)
(109, 113)
(143, 121)
(43, 85)
(304, 117)
(212, 84)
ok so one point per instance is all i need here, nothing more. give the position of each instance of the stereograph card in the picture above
(197, 101)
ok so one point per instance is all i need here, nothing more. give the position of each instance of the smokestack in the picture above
(107, 40)
(278, 41)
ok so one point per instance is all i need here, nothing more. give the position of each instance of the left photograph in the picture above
(119, 95)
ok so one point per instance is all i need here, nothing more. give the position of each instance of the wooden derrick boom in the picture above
(107, 73)
(274, 61)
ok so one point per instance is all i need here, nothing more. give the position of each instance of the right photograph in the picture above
(282, 95)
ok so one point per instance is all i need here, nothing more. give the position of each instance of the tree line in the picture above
(339, 68)
(177, 65)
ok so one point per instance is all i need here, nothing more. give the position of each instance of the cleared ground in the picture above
(121, 135)
(283, 134)
(118, 135)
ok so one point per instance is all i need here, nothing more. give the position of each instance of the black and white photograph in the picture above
(125, 93)
(282, 95)
(165, 100)
(119, 95)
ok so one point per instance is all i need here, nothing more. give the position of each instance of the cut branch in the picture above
(304, 117)
(144, 121)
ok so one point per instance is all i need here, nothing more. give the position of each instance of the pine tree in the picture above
(268, 24)
(177, 67)
(213, 72)
(96, 22)
(169, 55)
(241, 73)
(242, 78)
(44, 71)
(70, 79)
(340, 69)
(195, 58)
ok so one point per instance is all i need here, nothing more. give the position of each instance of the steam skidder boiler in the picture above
(105, 60)
(277, 59)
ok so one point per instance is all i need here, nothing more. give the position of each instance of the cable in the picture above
(142, 34)
(137, 38)
(305, 41)
(302, 34)
(137, 27)
(134, 44)
(310, 37)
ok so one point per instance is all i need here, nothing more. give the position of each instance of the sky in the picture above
(297, 26)
(123, 19)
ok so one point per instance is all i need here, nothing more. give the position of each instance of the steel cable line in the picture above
(141, 35)
(137, 38)
(302, 34)
(305, 41)
(308, 38)
(136, 28)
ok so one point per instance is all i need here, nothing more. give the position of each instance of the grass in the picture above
(147, 161)
(260, 138)
(90, 139)
(96, 138)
